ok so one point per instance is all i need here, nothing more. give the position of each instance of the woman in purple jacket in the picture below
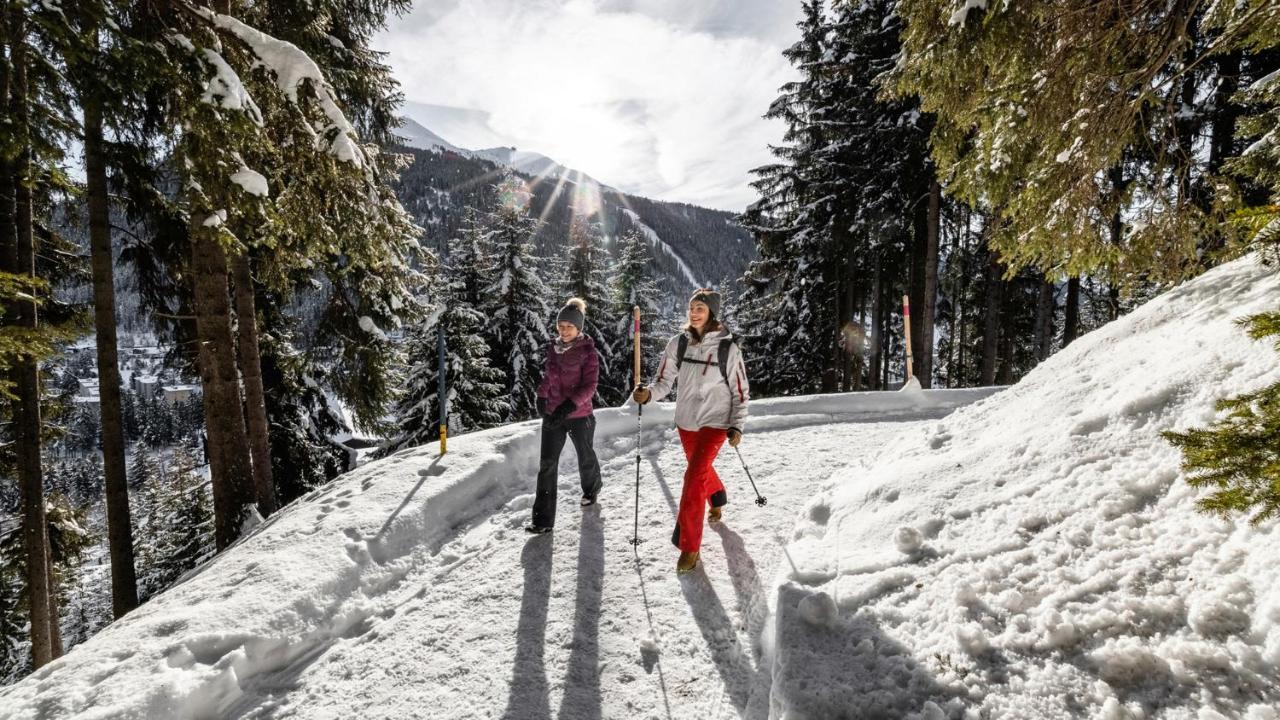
(564, 401)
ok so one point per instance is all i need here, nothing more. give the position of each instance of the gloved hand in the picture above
(735, 437)
(561, 412)
(641, 395)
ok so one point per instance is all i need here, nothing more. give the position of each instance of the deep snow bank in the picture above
(1038, 555)
(328, 566)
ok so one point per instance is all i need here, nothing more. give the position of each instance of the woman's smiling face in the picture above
(567, 330)
(698, 314)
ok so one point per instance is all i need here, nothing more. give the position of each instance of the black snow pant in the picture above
(582, 431)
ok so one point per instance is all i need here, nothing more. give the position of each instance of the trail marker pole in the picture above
(635, 533)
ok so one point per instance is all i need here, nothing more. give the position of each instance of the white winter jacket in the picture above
(705, 399)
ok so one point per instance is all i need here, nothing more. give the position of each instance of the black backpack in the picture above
(722, 356)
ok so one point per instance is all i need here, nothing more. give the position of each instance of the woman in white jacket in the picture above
(711, 407)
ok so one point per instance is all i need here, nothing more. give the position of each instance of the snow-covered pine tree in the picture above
(69, 539)
(185, 525)
(1034, 129)
(877, 174)
(39, 123)
(303, 210)
(789, 307)
(15, 657)
(469, 259)
(103, 72)
(585, 278)
(517, 298)
(146, 484)
(304, 419)
(368, 285)
(476, 392)
(633, 286)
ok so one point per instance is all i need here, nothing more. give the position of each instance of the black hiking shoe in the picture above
(587, 500)
(536, 529)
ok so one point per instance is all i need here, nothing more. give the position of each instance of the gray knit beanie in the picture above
(710, 297)
(574, 311)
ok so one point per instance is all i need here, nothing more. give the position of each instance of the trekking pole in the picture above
(760, 499)
(635, 533)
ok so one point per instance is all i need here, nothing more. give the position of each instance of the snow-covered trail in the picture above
(578, 624)
(408, 588)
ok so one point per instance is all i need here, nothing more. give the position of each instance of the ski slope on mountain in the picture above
(409, 585)
(659, 245)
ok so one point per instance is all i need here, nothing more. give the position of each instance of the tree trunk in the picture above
(254, 397)
(877, 306)
(124, 584)
(965, 283)
(886, 334)
(928, 308)
(229, 465)
(915, 283)
(1222, 131)
(859, 346)
(1004, 375)
(1071, 315)
(994, 283)
(1119, 183)
(19, 249)
(1045, 307)
(1225, 112)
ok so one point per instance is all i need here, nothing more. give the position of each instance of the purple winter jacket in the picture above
(570, 375)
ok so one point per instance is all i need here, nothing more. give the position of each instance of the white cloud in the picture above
(644, 101)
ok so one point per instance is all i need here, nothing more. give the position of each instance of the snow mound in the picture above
(1038, 554)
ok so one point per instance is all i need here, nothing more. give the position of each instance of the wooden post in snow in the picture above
(635, 311)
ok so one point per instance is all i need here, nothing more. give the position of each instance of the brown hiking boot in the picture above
(687, 562)
(713, 515)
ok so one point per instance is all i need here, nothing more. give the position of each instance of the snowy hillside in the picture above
(1037, 555)
(539, 166)
(659, 246)
(417, 136)
(1033, 554)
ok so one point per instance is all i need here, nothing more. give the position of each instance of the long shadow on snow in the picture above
(662, 482)
(650, 657)
(423, 474)
(753, 608)
(529, 693)
(721, 637)
(845, 667)
(582, 677)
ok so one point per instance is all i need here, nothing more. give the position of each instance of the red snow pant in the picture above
(701, 484)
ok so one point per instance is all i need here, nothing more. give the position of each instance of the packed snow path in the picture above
(578, 624)
(408, 588)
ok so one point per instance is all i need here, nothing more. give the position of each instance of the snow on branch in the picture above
(225, 89)
(292, 67)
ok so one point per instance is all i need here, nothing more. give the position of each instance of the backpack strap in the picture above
(722, 354)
